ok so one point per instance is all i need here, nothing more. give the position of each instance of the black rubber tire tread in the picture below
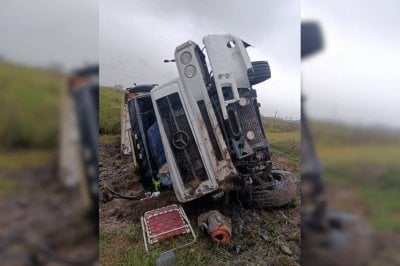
(269, 196)
(141, 88)
(261, 72)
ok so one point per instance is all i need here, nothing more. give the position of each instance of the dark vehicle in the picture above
(142, 117)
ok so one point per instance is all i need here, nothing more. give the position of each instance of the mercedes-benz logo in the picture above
(180, 140)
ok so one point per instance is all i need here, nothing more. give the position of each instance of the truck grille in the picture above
(188, 159)
(248, 118)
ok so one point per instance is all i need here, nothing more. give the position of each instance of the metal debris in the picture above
(165, 222)
(264, 234)
(237, 248)
(217, 225)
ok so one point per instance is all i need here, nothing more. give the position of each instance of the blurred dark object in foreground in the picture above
(328, 237)
(83, 85)
(311, 39)
(47, 219)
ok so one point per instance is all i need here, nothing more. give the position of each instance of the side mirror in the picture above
(311, 39)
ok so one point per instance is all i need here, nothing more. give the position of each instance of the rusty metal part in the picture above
(217, 225)
(126, 133)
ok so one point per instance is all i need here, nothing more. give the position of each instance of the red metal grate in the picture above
(165, 222)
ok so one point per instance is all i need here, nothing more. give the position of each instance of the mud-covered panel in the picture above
(181, 140)
(210, 131)
(141, 114)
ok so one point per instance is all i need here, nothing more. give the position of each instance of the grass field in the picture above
(29, 120)
(277, 125)
(366, 164)
(284, 137)
(25, 159)
(29, 107)
(125, 247)
(110, 101)
(17, 160)
(108, 139)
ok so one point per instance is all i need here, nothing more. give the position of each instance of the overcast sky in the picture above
(356, 78)
(44, 32)
(136, 36)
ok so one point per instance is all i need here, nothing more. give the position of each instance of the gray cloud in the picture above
(355, 79)
(136, 36)
(45, 31)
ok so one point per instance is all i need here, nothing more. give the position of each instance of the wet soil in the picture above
(385, 245)
(42, 222)
(266, 237)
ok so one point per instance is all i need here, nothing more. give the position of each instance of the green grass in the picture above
(377, 190)
(369, 167)
(127, 248)
(110, 101)
(331, 134)
(291, 152)
(276, 125)
(286, 145)
(108, 139)
(384, 154)
(29, 106)
(25, 159)
(283, 136)
(7, 186)
(384, 207)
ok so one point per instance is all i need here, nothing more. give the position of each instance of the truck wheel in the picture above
(260, 72)
(281, 191)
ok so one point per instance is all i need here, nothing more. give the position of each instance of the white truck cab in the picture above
(206, 125)
(197, 155)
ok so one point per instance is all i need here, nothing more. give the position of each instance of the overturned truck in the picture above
(203, 131)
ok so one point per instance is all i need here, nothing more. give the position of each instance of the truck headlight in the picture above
(185, 58)
(190, 71)
(250, 135)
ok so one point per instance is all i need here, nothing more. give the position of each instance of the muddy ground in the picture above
(386, 245)
(265, 237)
(41, 221)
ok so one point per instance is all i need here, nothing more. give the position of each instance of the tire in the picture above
(280, 192)
(141, 88)
(260, 72)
